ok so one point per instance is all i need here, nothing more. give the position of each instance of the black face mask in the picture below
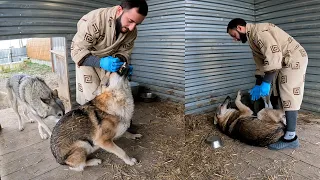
(243, 37)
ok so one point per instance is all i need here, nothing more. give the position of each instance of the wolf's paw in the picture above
(131, 161)
(93, 162)
(79, 168)
(43, 136)
(136, 136)
(239, 95)
(21, 128)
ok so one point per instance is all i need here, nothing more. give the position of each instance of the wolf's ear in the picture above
(55, 93)
(46, 101)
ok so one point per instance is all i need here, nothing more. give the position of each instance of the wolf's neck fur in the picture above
(118, 102)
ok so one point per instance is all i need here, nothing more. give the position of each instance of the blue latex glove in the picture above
(265, 89)
(255, 93)
(110, 63)
(130, 70)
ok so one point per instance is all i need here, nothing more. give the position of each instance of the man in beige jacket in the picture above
(280, 60)
(103, 42)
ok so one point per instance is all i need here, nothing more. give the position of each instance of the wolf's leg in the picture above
(129, 135)
(14, 104)
(111, 147)
(41, 125)
(78, 159)
(242, 108)
(42, 134)
(26, 114)
(93, 162)
(272, 115)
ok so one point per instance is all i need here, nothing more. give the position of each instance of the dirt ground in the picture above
(171, 148)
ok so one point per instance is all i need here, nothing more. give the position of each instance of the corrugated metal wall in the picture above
(301, 19)
(158, 56)
(215, 66)
(46, 18)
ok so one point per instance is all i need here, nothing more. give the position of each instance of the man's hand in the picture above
(265, 89)
(255, 93)
(110, 64)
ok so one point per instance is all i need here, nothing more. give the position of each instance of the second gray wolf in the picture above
(36, 98)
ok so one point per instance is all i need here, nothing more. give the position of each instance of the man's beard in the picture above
(119, 25)
(243, 37)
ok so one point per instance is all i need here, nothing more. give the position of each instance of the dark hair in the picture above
(140, 4)
(236, 22)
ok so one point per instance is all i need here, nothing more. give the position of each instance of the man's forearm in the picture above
(93, 61)
(268, 76)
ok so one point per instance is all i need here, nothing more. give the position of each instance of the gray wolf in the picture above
(96, 124)
(261, 130)
(36, 98)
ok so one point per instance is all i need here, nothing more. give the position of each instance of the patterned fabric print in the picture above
(286, 104)
(296, 91)
(101, 37)
(296, 65)
(260, 44)
(88, 37)
(88, 78)
(283, 80)
(275, 48)
(303, 53)
(80, 87)
(95, 28)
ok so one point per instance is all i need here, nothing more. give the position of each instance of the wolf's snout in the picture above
(227, 101)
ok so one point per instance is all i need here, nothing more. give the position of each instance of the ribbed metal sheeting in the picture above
(58, 44)
(215, 66)
(47, 18)
(301, 19)
(158, 55)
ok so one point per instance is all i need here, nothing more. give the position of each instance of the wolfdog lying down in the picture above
(95, 125)
(37, 98)
(261, 130)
